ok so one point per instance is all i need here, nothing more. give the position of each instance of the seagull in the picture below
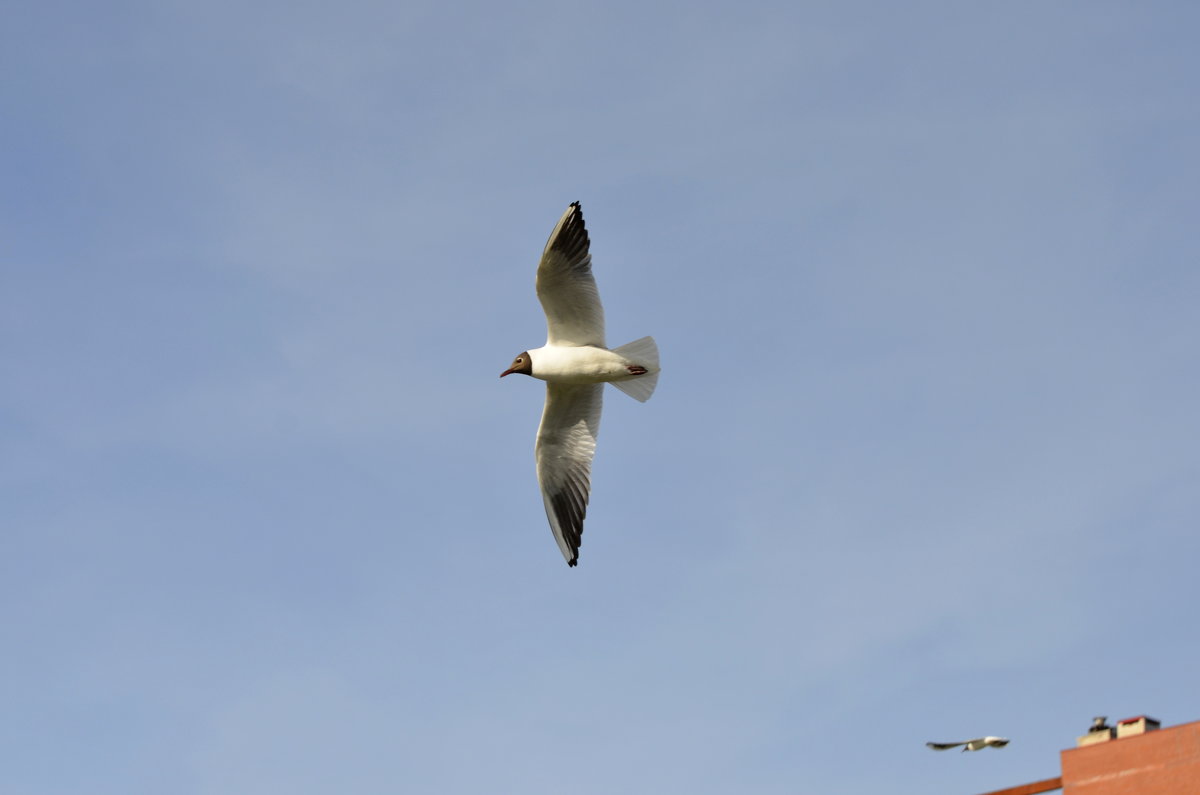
(575, 364)
(972, 745)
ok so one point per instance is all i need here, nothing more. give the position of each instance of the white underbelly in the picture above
(578, 365)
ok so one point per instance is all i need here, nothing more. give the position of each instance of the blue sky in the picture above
(921, 464)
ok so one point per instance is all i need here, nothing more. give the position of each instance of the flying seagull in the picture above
(971, 745)
(575, 365)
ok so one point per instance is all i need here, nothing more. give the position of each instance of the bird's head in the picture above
(521, 364)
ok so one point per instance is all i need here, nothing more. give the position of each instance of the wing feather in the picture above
(566, 286)
(566, 443)
(944, 746)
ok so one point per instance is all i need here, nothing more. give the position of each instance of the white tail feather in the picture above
(645, 353)
(640, 387)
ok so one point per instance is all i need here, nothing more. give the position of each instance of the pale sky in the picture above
(921, 465)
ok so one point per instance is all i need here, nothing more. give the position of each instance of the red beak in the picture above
(509, 371)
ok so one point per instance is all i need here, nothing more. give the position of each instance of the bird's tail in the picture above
(645, 353)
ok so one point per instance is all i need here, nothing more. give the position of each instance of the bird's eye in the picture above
(520, 360)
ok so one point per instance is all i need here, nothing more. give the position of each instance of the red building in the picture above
(1135, 758)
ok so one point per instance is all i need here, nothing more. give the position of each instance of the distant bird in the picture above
(972, 745)
(1099, 724)
(575, 365)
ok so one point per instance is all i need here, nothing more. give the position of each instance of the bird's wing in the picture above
(943, 746)
(566, 287)
(566, 442)
(998, 742)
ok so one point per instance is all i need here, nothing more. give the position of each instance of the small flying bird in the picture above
(575, 364)
(972, 745)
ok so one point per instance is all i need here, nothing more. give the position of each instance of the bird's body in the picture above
(575, 364)
(972, 745)
(586, 364)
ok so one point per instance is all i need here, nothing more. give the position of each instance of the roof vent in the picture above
(1139, 725)
(1099, 732)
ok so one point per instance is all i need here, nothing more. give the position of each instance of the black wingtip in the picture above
(570, 238)
(573, 562)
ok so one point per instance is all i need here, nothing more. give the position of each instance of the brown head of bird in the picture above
(522, 364)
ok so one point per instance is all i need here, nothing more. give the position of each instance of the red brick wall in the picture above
(1163, 762)
(1035, 788)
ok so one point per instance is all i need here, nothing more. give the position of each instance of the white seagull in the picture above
(972, 745)
(575, 364)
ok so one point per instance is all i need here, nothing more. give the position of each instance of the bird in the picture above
(972, 745)
(575, 364)
(1099, 724)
